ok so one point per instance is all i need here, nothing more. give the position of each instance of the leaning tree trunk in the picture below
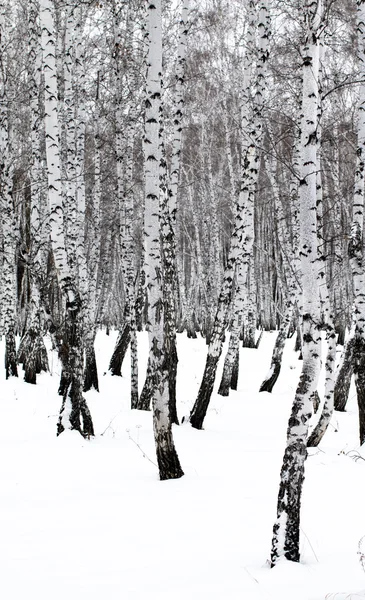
(121, 347)
(286, 529)
(167, 458)
(344, 373)
(277, 355)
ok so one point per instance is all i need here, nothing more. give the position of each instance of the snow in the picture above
(90, 519)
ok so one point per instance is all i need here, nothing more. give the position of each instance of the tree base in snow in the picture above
(79, 417)
(235, 371)
(167, 459)
(343, 379)
(268, 384)
(145, 399)
(11, 366)
(121, 347)
(200, 407)
(91, 379)
(32, 354)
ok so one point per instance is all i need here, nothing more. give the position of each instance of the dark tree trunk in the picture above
(277, 356)
(74, 408)
(172, 372)
(248, 338)
(259, 339)
(316, 401)
(167, 459)
(343, 379)
(30, 358)
(235, 370)
(121, 347)
(200, 407)
(134, 370)
(268, 384)
(231, 356)
(298, 340)
(11, 367)
(42, 358)
(144, 401)
(359, 372)
(32, 354)
(191, 333)
(341, 331)
(91, 379)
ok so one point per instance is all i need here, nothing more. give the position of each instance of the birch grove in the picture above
(185, 169)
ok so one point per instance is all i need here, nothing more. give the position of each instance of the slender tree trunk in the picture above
(7, 202)
(356, 243)
(32, 352)
(74, 413)
(91, 380)
(277, 355)
(286, 529)
(121, 347)
(344, 373)
(167, 458)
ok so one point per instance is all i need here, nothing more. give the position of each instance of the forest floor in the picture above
(90, 520)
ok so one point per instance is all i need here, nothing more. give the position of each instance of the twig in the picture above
(139, 447)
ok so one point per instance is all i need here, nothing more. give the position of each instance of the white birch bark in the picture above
(168, 462)
(74, 412)
(178, 108)
(327, 406)
(53, 151)
(32, 352)
(356, 248)
(286, 528)
(7, 202)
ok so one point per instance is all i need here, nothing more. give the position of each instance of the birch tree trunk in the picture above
(286, 529)
(74, 412)
(91, 373)
(7, 202)
(356, 243)
(325, 301)
(345, 371)
(168, 461)
(32, 352)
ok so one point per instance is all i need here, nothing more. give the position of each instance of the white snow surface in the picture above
(90, 520)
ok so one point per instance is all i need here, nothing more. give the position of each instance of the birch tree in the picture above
(286, 530)
(6, 190)
(74, 412)
(32, 352)
(168, 461)
(356, 243)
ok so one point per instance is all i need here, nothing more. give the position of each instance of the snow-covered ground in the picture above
(90, 519)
